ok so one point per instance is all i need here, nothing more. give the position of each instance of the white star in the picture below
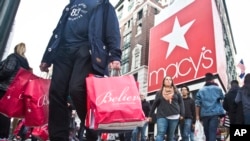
(176, 37)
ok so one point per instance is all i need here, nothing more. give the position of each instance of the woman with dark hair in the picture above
(170, 109)
(8, 70)
(244, 97)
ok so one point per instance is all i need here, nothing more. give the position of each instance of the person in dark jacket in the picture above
(243, 97)
(142, 130)
(8, 71)
(234, 110)
(170, 109)
(86, 40)
(188, 121)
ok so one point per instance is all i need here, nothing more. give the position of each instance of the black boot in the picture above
(81, 134)
(91, 135)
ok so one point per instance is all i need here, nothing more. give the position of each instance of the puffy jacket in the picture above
(104, 37)
(9, 69)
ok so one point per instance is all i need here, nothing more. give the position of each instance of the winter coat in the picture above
(104, 37)
(243, 97)
(189, 109)
(234, 110)
(9, 69)
(146, 107)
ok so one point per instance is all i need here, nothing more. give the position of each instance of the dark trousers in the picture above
(70, 68)
(4, 126)
(4, 122)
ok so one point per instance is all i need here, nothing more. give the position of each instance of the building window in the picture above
(125, 60)
(140, 15)
(125, 53)
(128, 25)
(136, 76)
(131, 5)
(139, 29)
(127, 38)
(156, 11)
(125, 68)
(136, 57)
(119, 12)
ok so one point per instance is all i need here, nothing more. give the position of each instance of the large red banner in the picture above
(183, 45)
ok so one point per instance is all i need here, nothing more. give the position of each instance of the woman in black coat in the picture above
(8, 70)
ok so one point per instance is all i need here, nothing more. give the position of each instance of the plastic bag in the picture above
(199, 134)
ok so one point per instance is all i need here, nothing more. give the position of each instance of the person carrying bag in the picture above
(8, 71)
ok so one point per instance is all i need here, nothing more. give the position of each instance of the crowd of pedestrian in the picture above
(176, 110)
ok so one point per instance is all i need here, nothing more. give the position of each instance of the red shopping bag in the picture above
(108, 136)
(19, 126)
(41, 132)
(113, 102)
(36, 102)
(12, 103)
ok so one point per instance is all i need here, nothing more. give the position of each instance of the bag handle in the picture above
(46, 76)
(115, 72)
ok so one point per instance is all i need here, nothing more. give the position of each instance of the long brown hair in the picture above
(172, 84)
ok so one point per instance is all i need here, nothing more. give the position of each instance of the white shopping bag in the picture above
(199, 134)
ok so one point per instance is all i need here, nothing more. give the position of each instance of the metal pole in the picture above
(8, 9)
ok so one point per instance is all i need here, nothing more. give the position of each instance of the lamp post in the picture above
(8, 9)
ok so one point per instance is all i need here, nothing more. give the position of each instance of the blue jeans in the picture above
(210, 124)
(164, 126)
(140, 130)
(185, 127)
(192, 136)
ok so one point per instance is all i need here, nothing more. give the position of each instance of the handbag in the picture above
(108, 136)
(41, 132)
(18, 127)
(12, 103)
(199, 134)
(112, 103)
(36, 102)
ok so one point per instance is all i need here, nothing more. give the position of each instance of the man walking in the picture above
(188, 121)
(86, 40)
(208, 106)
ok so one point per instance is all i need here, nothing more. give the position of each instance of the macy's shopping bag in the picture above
(12, 103)
(41, 132)
(37, 102)
(113, 102)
